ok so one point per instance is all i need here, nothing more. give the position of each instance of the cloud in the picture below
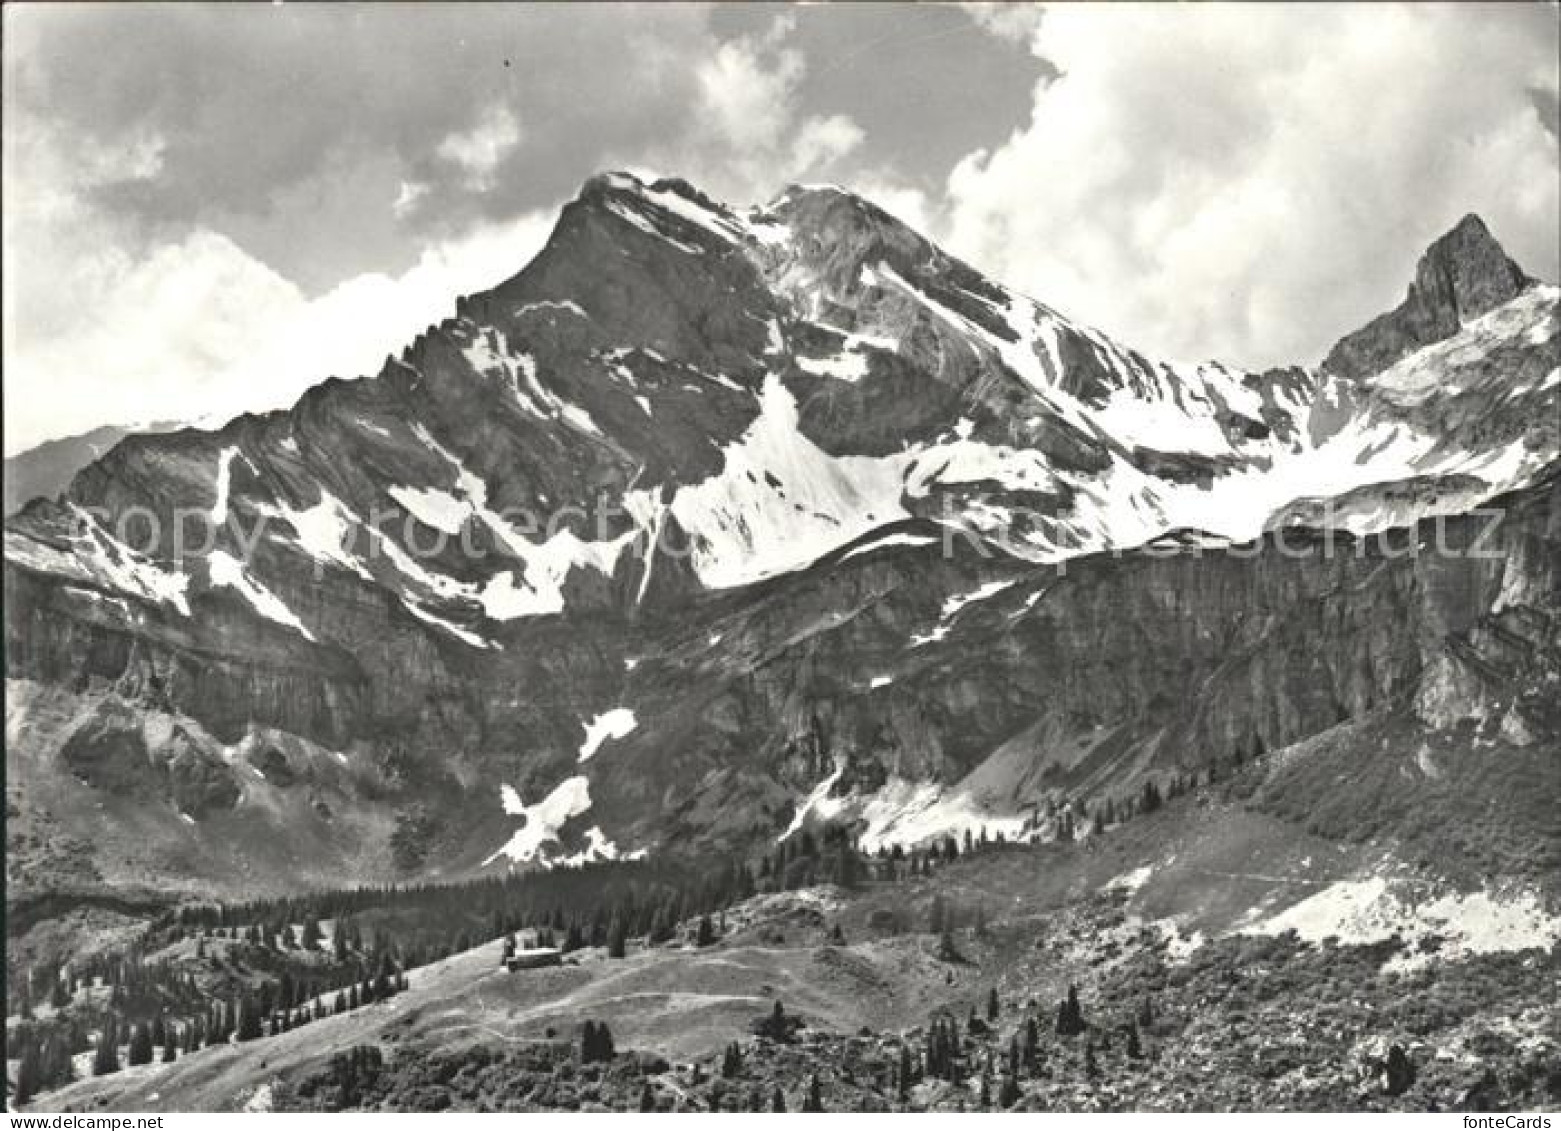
(746, 131)
(479, 150)
(200, 331)
(1250, 181)
(1016, 23)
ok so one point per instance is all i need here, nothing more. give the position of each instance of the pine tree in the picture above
(249, 1022)
(815, 1100)
(778, 1026)
(1135, 1049)
(991, 1004)
(105, 1059)
(617, 939)
(1146, 1012)
(170, 1045)
(706, 933)
(140, 1051)
(385, 980)
(731, 1061)
(28, 1075)
(1070, 1016)
(1400, 1071)
(1091, 1069)
(1008, 1093)
(647, 1097)
(778, 1100)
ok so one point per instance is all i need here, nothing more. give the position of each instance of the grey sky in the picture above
(210, 207)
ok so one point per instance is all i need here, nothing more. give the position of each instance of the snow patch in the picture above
(616, 723)
(323, 531)
(544, 820)
(1371, 910)
(958, 601)
(433, 508)
(889, 540)
(744, 527)
(219, 509)
(226, 570)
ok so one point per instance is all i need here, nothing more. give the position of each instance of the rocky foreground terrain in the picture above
(1274, 994)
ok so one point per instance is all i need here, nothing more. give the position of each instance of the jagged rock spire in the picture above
(1462, 275)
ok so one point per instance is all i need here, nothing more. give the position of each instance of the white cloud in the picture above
(408, 193)
(201, 331)
(480, 150)
(1016, 23)
(747, 135)
(1251, 182)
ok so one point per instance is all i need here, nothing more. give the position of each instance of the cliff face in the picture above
(1463, 275)
(710, 519)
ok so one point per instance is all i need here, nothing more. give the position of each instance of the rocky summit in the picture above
(711, 522)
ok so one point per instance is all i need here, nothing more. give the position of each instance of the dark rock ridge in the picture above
(1463, 275)
(916, 545)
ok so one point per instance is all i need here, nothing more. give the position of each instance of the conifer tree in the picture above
(778, 1100)
(249, 1020)
(1070, 1016)
(947, 950)
(815, 1100)
(140, 1051)
(105, 1058)
(28, 1074)
(1400, 1071)
(991, 1004)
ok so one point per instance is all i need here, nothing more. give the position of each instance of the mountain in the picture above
(1463, 275)
(46, 470)
(713, 521)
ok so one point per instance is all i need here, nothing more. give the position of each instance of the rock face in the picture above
(46, 470)
(826, 523)
(1462, 276)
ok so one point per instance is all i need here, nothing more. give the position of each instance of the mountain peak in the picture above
(1463, 274)
(1468, 272)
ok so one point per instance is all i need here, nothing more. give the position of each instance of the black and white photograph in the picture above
(782, 557)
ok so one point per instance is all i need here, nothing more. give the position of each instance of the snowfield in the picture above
(1371, 910)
